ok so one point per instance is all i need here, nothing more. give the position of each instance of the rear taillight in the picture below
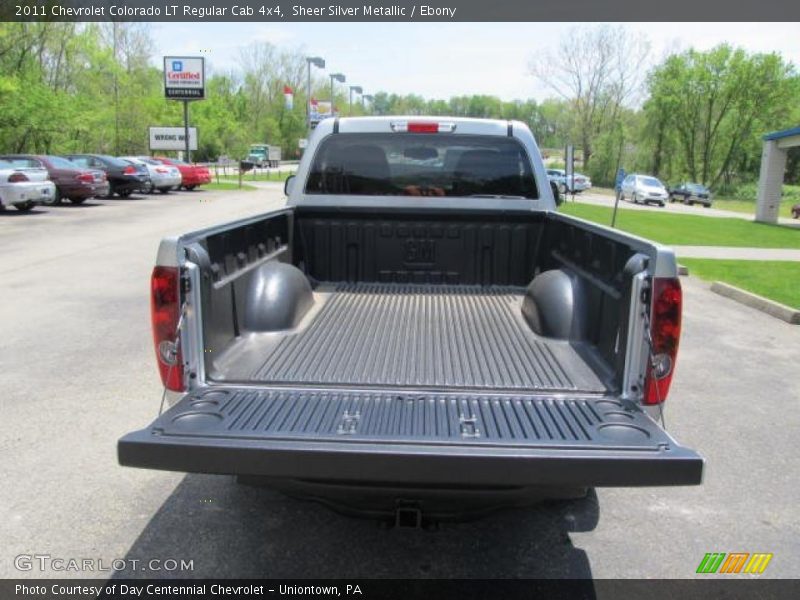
(165, 314)
(665, 332)
(129, 170)
(17, 177)
(85, 177)
(161, 170)
(422, 127)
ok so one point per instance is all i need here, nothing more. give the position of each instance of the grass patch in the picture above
(776, 280)
(261, 176)
(689, 230)
(742, 198)
(749, 207)
(228, 186)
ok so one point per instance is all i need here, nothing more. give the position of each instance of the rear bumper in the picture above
(35, 192)
(83, 190)
(131, 184)
(166, 181)
(196, 180)
(413, 440)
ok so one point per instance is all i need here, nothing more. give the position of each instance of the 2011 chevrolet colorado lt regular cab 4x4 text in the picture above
(417, 326)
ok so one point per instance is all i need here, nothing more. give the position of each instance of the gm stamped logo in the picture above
(734, 563)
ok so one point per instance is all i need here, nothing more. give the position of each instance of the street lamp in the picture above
(320, 63)
(368, 97)
(341, 79)
(358, 90)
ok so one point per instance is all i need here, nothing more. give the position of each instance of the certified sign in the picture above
(172, 138)
(184, 77)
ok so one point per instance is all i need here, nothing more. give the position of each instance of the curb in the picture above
(772, 308)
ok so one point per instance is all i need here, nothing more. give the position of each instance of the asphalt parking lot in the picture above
(78, 372)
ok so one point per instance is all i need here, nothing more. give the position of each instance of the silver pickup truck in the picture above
(418, 330)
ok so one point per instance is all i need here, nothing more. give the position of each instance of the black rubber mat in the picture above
(424, 335)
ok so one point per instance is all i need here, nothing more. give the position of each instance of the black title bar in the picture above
(245, 11)
(393, 589)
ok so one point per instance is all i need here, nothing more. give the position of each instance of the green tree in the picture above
(708, 109)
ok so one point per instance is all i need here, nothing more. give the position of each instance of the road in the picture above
(78, 372)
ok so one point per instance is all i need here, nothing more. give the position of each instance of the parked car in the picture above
(24, 187)
(163, 177)
(72, 182)
(144, 175)
(123, 177)
(691, 193)
(576, 184)
(643, 188)
(192, 174)
(403, 341)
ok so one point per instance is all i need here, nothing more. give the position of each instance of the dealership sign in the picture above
(184, 77)
(172, 138)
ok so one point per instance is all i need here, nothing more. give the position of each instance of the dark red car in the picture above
(192, 175)
(72, 181)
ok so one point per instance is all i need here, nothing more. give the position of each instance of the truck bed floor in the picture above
(415, 336)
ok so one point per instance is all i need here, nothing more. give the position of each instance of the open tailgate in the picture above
(412, 438)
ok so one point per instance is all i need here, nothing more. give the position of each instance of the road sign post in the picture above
(618, 191)
(184, 79)
(569, 171)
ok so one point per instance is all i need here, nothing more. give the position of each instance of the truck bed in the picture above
(417, 336)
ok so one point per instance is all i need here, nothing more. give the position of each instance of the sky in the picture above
(440, 60)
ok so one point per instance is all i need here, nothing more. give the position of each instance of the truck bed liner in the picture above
(466, 337)
(412, 437)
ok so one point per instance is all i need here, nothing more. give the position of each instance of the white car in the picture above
(162, 177)
(24, 188)
(579, 183)
(644, 189)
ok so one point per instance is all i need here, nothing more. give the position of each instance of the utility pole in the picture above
(358, 90)
(186, 130)
(341, 79)
(319, 63)
(114, 28)
(369, 98)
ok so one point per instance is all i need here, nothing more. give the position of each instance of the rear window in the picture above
(25, 163)
(61, 163)
(81, 161)
(651, 181)
(115, 162)
(410, 164)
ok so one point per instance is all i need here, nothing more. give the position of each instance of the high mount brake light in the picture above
(665, 333)
(165, 316)
(422, 127)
